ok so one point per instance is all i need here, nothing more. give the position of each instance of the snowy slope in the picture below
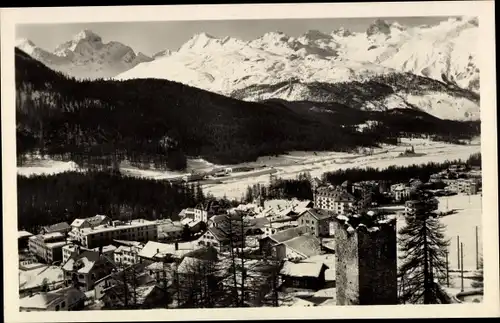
(377, 94)
(223, 65)
(445, 52)
(86, 56)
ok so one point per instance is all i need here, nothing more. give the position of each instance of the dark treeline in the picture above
(45, 199)
(394, 173)
(301, 189)
(157, 123)
(474, 160)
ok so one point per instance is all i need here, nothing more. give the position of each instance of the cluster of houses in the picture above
(95, 260)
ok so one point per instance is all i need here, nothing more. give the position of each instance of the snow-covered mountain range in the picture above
(446, 52)
(276, 65)
(86, 56)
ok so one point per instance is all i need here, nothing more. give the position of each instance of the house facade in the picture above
(268, 244)
(465, 186)
(130, 288)
(104, 234)
(197, 214)
(69, 249)
(303, 275)
(400, 192)
(85, 268)
(47, 247)
(23, 239)
(126, 255)
(215, 237)
(317, 221)
(333, 199)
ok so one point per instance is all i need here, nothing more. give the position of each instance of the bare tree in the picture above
(197, 283)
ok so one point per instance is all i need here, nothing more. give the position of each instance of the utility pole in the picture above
(458, 252)
(477, 249)
(462, 266)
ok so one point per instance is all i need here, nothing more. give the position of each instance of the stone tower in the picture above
(366, 263)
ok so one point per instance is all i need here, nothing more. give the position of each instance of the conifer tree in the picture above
(423, 247)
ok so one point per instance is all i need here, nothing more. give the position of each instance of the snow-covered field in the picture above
(46, 167)
(463, 224)
(289, 166)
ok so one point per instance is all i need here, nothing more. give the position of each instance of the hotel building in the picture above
(102, 235)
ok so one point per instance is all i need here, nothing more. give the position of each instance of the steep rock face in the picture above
(379, 93)
(86, 56)
(163, 53)
(378, 27)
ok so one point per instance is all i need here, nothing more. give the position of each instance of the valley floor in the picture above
(289, 166)
(286, 166)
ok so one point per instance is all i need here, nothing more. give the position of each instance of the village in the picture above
(338, 249)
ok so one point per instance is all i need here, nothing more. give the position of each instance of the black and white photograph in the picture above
(242, 162)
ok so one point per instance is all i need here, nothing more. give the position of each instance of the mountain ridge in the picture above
(229, 65)
(86, 56)
(444, 52)
(161, 122)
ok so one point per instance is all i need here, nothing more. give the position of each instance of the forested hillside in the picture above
(44, 199)
(160, 123)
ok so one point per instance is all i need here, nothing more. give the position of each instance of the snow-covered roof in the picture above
(107, 248)
(277, 204)
(97, 219)
(52, 235)
(302, 269)
(23, 234)
(277, 225)
(119, 225)
(129, 243)
(288, 234)
(45, 300)
(155, 266)
(399, 187)
(307, 245)
(188, 264)
(318, 214)
(367, 221)
(57, 227)
(77, 223)
(153, 248)
(194, 223)
(299, 302)
(165, 228)
(85, 262)
(217, 233)
(32, 278)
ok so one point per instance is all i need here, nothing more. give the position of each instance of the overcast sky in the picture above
(152, 37)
